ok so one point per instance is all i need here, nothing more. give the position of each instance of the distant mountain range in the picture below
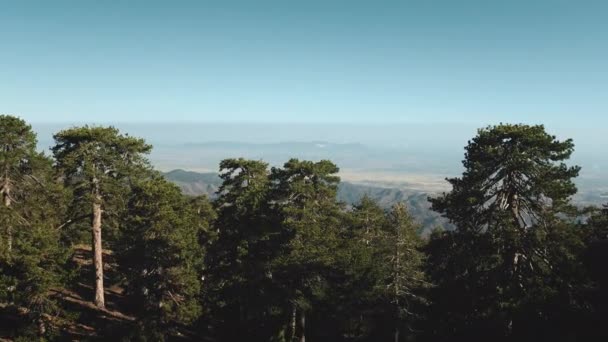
(197, 183)
(348, 156)
(208, 183)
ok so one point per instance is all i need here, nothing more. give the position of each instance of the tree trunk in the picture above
(292, 324)
(397, 280)
(302, 326)
(97, 254)
(41, 327)
(6, 192)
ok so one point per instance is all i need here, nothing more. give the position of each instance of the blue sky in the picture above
(474, 62)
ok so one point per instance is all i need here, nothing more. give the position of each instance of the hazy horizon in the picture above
(410, 80)
(392, 153)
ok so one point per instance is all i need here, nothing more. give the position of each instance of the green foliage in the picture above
(384, 285)
(240, 288)
(31, 254)
(403, 262)
(97, 164)
(277, 257)
(161, 255)
(304, 197)
(598, 223)
(355, 294)
(17, 147)
(595, 258)
(516, 169)
(514, 249)
(18, 161)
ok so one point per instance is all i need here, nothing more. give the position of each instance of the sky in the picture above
(357, 62)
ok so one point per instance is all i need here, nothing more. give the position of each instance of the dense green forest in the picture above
(96, 245)
(196, 184)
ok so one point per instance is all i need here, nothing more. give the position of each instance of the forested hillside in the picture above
(196, 184)
(97, 245)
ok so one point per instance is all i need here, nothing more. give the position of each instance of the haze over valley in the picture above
(389, 163)
(411, 157)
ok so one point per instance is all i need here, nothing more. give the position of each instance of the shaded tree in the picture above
(354, 301)
(384, 287)
(304, 195)
(161, 253)
(17, 154)
(31, 255)
(595, 261)
(239, 260)
(403, 278)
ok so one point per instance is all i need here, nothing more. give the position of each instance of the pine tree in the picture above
(383, 291)
(598, 223)
(595, 262)
(514, 252)
(239, 261)
(403, 262)
(305, 196)
(31, 255)
(96, 163)
(367, 221)
(17, 153)
(355, 301)
(160, 252)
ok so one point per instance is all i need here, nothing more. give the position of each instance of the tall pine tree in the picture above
(160, 252)
(96, 163)
(305, 197)
(239, 260)
(403, 280)
(513, 256)
(17, 154)
(31, 254)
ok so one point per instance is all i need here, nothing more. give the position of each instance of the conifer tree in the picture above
(239, 260)
(160, 252)
(403, 277)
(513, 251)
(384, 287)
(355, 298)
(96, 163)
(31, 255)
(598, 223)
(367, 221)
(305, 197)
(17, 153)
(595, 262)
(512, 169)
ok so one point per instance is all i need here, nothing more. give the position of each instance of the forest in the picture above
(96, 245)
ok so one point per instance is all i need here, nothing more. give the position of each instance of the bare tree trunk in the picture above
(292, 324)
(397, 279)
(6, 191)
(302, 326)
(97, 254)
(41, 327)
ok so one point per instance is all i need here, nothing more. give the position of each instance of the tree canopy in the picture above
(515, 251)
(275, 256)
